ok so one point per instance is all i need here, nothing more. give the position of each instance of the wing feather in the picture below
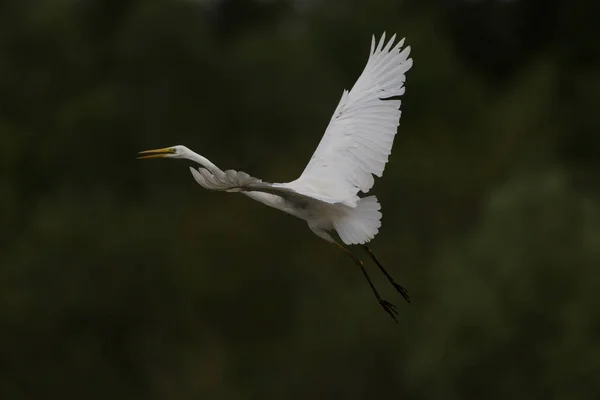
(238, 181)
(360, 135)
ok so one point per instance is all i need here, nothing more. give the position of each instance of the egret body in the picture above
(356, 145)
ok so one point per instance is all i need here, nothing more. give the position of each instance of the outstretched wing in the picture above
(361, 132)
(238, 181)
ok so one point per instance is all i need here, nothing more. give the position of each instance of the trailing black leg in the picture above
(398, 287)
(387, 306)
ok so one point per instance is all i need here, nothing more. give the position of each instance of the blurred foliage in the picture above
(124, 279)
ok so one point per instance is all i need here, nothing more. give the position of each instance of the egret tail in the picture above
(361, 223)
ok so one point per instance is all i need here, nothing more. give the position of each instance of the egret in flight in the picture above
(355, 146)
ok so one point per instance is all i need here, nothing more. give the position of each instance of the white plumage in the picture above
(356, 145)
(361, 132)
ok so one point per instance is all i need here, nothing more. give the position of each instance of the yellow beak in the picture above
(155, 153)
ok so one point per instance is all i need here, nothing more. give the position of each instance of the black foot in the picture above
(402, 291)
(389, 308)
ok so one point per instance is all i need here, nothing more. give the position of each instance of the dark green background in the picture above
(123, 279)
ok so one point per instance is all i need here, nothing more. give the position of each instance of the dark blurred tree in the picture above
(125, 280)
(235, 18)
(497, 37)
(526, 321)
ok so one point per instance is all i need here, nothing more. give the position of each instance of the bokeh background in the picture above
(123, 279)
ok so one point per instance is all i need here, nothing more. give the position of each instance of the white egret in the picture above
(355, 146)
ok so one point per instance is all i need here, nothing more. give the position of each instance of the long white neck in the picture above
(197, 158)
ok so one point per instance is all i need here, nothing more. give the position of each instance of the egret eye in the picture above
(173, 151)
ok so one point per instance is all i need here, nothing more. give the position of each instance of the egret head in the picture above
(166, 152)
